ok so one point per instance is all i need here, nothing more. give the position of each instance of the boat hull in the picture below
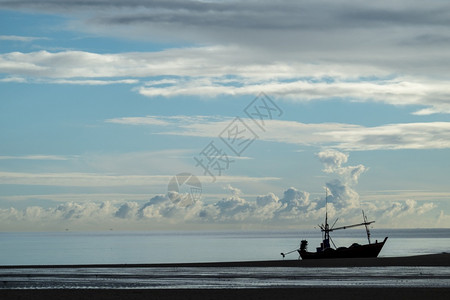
(354, 251)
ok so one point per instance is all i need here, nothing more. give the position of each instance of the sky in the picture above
(204, 115)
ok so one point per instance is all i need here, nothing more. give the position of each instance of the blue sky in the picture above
(103, 102)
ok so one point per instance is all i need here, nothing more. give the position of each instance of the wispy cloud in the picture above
(165, 120)
(97, 197)
(17, 79)
(37, 157)
(17, 38)
(102, 180)
(92, 81)
(214, 71)
(431, 135)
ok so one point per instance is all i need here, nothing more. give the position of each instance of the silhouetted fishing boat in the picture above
(326, 251)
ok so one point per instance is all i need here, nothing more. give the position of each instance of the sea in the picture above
(145, 247)
(142, 247)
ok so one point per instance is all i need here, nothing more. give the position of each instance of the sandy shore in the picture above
(436, 260)
(310, 292)
(248, 294)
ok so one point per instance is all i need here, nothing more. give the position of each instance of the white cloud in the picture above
(16, 79)
(101, 180)
(431, 135)
(233, 209)
(17, 38)
(341, 191)
(139, 121)
(333, 160)
(397, 92)
(81, 179)
(127, 210)
(233, 190)
(408, 207)
(82, 197)
(345, 200)
(409, 214)
(36, 157)
(206, 71)
(79, 64)
(267, 200)
(343, 195)
(93, 82)
(294, 210)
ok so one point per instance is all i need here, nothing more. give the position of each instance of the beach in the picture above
(413, 277)
(438, 260)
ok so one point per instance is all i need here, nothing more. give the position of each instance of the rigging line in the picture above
(334, 223)
(333, 242)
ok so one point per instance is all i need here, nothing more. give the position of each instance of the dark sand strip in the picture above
(248, 294)
(431, 260)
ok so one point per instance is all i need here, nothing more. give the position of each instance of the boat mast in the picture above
(326, 231)
(365, 224)
(326, 206)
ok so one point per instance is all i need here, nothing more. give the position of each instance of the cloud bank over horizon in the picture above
(293, 209)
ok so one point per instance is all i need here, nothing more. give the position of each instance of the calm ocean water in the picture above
(172, 247)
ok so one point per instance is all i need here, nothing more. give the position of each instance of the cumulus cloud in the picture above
(293, 199)
(127, 210)
(294, 207)
(233, 190)
(408, 207)
(345, 200)
(267, 200)
(333, 160)
(233, 209)
(342, 194)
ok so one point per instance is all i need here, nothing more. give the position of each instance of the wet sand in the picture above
(327, 292)
(430, 260)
